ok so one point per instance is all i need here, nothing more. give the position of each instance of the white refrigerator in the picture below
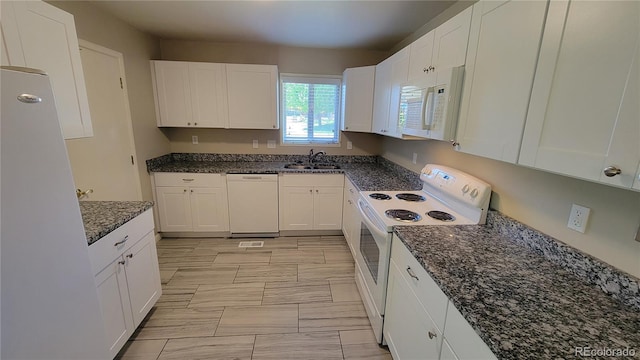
(48, 299)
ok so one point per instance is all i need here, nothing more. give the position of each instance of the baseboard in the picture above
(310, 232)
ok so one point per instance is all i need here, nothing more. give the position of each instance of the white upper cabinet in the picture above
(501, 61)
(41, 36)
(442, 48)
(357, 98)
(190, 94)
(584, 115)
(391, 74)
(253, 96)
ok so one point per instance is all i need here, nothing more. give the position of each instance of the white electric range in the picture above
(448, 197)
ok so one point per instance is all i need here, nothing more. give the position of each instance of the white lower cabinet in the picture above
(191, 202)
(409, 330)
(420, 321)
(350, 216)
(127, 276)
(311, 201)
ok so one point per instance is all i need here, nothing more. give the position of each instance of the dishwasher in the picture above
(253, 204)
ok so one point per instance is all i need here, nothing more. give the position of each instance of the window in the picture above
(310, 109)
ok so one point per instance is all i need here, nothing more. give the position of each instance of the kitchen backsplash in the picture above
(610, 280)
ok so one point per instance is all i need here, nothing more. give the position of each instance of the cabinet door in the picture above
(408, 328)
(296, 208)
(143, 277)
(399, 72)
(174, 208)
(111, 284)
(209, 209)
(252, 91)
(349, 218)
(463, 339)
(208, 87)
(48, 41)
(501, 59)
(420, 57)
(327, 208)
(450, 41)
(381, 97)
(358, 98)
(173, 94)
(584, 115)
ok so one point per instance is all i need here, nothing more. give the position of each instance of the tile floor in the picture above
(294, 298)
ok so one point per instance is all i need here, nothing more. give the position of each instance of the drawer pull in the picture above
(411, 273)
(122, 241)
(432, 335)
(188, 180)
(351, 191)
(121, 262)
(130, 256)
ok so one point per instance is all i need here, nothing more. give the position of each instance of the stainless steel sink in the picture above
(297, 166)
(326, 166)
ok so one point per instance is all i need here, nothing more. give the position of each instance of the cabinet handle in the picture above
(351, 191)
(130, 256)
(425, 70)
(189, 124)
(195, 123)
(121, 262)
(611, 171)
(188, 180)
(191, 190)
(122, 241)
(432, 68)
(185, 190)
(273, 126)
(432, 335)
(350, 202)
(310, 190)
(411, 273)
(454, 143)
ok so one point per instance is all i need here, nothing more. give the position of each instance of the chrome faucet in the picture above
(313, 156)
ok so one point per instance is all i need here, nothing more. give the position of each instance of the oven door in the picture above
(372, 265)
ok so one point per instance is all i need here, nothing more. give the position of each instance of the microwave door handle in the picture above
(427, 110)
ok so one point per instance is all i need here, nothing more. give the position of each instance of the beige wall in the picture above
(543, 200)
(137, 48)
(289, 60)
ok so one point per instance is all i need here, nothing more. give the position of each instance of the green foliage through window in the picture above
(310, 109)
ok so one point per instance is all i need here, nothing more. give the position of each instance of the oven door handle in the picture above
(363, 209)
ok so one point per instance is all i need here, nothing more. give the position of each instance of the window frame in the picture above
(310, 79)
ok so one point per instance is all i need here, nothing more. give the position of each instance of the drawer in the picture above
(189, 179)
(350, 189)
(427, 291)
(318, 180)
(105, 250)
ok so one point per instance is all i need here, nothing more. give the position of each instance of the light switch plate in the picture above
(415, 158)
(255, 144)
(194, 139)
(271, 144)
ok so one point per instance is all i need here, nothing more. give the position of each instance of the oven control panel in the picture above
(456, 184)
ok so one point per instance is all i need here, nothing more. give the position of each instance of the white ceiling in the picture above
(375, 25)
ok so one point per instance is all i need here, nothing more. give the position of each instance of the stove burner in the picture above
(410, 197)
(441, 215)
(403, 215)
(380, 196)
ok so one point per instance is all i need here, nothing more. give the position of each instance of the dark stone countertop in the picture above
(102, 217)
(366, 175)
(521, 304)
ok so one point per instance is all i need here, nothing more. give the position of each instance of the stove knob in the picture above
(474, 193)
(465, 189)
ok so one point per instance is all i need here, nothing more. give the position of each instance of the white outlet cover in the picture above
(255, 144)
(194, 139)
(349, 145)
(415, 158)
(578, 218)
(271, 144)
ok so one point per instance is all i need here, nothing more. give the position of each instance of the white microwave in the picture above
(430, 109)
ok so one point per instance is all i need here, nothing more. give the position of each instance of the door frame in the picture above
(129, 122)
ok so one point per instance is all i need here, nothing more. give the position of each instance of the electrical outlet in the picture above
(194, 139)
(578, 218)
(271, 144)
(349, 145)
(415, 158)
(255, 144)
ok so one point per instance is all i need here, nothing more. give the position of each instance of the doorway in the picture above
(104, 165)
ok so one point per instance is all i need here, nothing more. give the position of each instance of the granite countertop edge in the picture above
(102, 217)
